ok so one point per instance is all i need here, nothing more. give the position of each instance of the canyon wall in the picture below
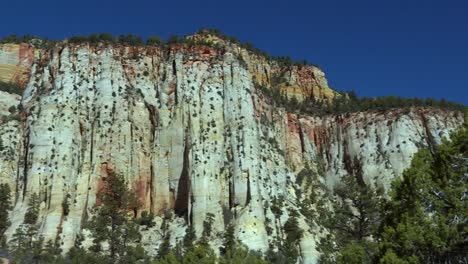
(190, 132)
(16, 61)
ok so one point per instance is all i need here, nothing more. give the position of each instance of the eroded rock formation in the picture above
(190, 132)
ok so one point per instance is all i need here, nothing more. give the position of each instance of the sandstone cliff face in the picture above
(299, 81)
(10, 139)
(15, 62)
(376, 146)
(188, 129)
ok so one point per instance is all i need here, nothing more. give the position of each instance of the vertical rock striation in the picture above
(189, 131)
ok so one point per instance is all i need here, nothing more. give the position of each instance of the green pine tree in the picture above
(189, 237)
(5, 204)
(32, 214)
(207, 228)
(355, 221)
(294, 234)
(426, 219)
(112, 223)
(230, 240)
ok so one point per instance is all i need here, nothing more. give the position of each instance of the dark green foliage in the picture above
(189, 237)
(194, 254)
(173, 39)
(134, 40)
(130, 40)
(277, 206)
(284, 61)
(32, 214)
(465, 126)
(112, 223)
(78, 255)
(5, 205)
(11, 88)
(12, 109)
(314, 205)
(308, 106)
(99, 38)
(13, 38)
(208, 225)
(65, 206)
(165, 246)
(93, 39)
(239, 254)
(146, 219)
(318, 193)
(230, 240)
(351, 103)
(25, 246)
(353, 253)
(198, 254)
(355, 221)
(356, 212)
(154, 41)
(285, 247)
(294, 234)
(78, 39)
(29, 39)
(275, 257)
(426, 219)
(106, 38)
(232, 253)
(51, 253)
(347, 102)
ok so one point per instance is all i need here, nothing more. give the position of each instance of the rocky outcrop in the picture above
(293, 80)
(190, 132)
(375, 146)
(16, 61)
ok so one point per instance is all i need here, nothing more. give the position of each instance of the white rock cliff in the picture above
(191, 133)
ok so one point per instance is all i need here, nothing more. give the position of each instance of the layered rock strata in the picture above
(190, 132)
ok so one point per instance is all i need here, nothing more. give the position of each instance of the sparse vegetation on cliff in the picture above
(423, 221)
(426, 218)
(350, 103)
(135, 40)
(292, 211)
(355, 219)
(35, 41)
(111, 223)
(5, 204)
(10, 87)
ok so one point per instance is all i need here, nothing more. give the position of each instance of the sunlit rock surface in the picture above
(190, 132)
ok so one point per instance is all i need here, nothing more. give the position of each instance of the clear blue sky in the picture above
(402, 47)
